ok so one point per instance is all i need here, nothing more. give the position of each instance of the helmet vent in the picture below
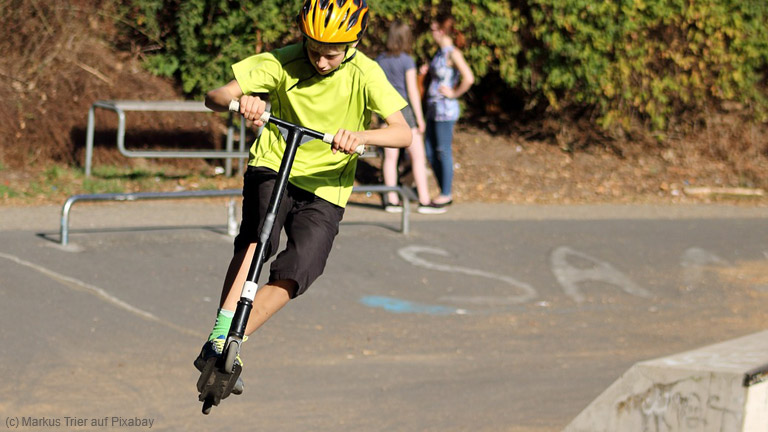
(328, 16)
(353, 19)
(341, 23)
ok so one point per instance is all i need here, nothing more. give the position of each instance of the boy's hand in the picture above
(346, 141)
(252, 107)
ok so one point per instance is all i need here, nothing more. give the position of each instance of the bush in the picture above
(198, 40)
(624, 60)
(653, 58)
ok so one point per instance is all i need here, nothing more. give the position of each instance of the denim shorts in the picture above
(310, 224)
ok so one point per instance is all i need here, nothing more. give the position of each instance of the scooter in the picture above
(220, 374)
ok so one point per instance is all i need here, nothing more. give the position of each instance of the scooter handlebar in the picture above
(234, 106)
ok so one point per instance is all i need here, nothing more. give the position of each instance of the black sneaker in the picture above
(214, 348)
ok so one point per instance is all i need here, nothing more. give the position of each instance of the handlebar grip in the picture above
(234, 106)
(328, 139)
(360, 150)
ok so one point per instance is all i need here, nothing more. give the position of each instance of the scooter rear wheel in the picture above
(207, 405)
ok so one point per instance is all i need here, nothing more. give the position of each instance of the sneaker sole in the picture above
(432, 211)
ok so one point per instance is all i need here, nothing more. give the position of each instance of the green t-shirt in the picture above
(298, 94)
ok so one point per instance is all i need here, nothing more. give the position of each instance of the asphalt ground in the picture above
(489, 318)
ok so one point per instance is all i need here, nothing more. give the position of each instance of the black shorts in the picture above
(310, 223)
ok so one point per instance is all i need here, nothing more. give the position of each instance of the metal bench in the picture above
(120, 107)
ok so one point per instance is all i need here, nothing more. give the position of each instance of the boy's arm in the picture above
(218, 99)
(251, 107)
(397, 134)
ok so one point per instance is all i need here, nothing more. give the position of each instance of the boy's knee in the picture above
(289, 285)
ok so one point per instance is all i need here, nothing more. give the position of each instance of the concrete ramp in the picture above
(718, 388)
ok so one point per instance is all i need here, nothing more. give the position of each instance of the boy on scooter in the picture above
(325, 84)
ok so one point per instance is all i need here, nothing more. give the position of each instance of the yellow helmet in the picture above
(333, 21)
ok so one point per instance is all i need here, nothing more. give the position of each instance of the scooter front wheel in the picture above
(233, 349)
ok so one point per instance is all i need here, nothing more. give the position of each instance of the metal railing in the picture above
(231, 218)
(122, 106)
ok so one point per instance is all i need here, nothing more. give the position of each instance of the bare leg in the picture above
(419, 166)
(269, 298)
(389, 170)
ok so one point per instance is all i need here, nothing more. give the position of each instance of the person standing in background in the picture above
(400, 69)
(449, 78)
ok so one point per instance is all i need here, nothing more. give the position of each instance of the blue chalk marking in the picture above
(398, 306)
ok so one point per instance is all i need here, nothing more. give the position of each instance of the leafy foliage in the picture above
(625, 60)
(654, 58)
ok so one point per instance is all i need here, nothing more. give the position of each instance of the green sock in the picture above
(223, 322)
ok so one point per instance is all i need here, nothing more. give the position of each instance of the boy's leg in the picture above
(311, 229)
(236, 274)
(257, 190)
(258, 185)
(269, 298)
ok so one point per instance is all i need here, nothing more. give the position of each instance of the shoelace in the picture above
(218, 344)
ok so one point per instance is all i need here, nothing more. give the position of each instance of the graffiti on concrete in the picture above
(570, 276)
(522, 291)
(678, 406)
(694, 263)
(574, 271)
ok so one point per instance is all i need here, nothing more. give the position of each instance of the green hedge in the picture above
(652, 60)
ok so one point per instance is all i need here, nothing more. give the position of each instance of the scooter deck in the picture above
(215, 384)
